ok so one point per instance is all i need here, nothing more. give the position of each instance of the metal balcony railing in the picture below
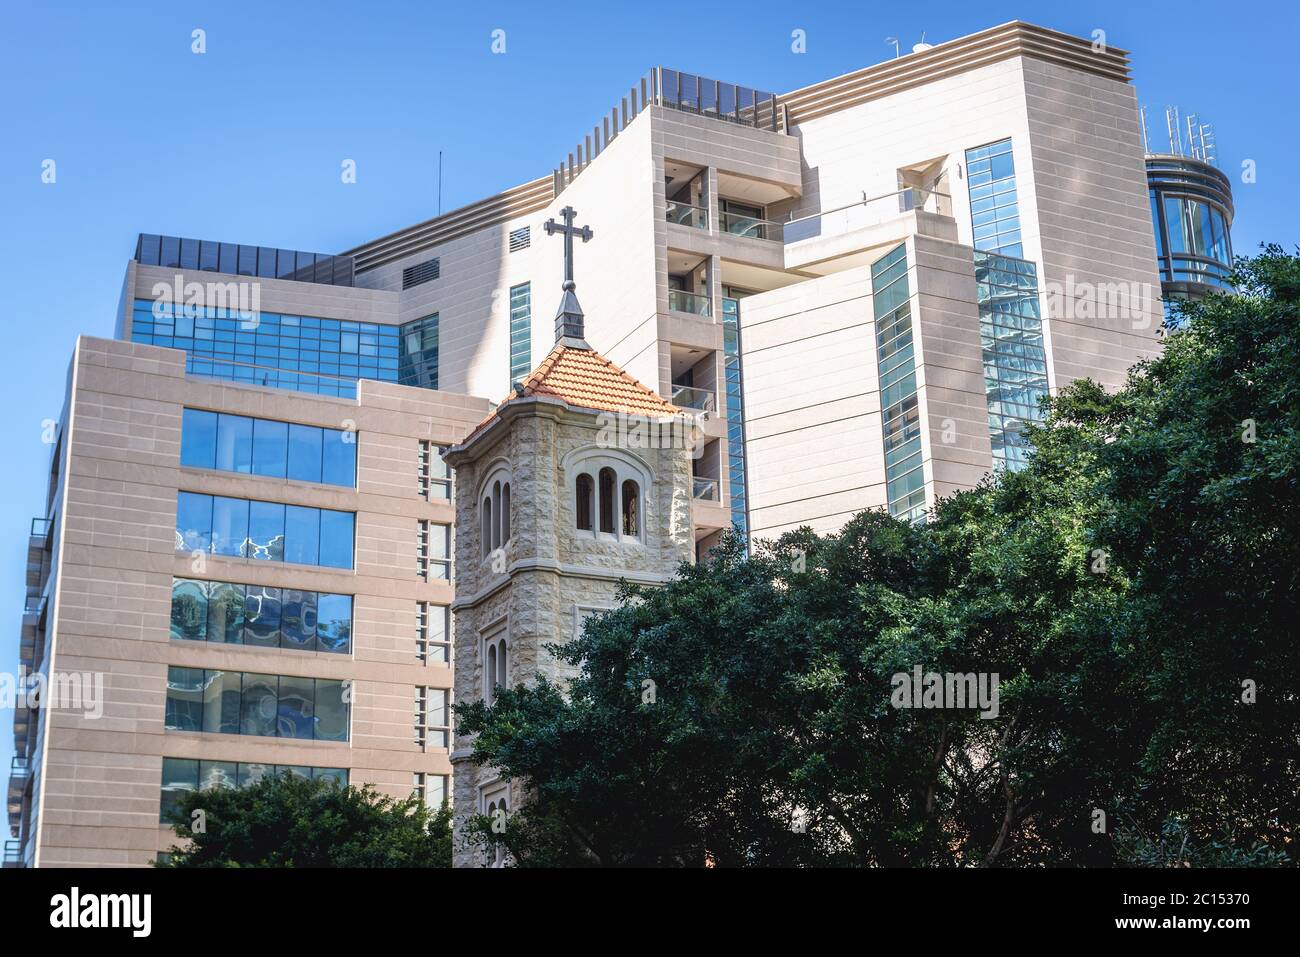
(705, 489)
(13, 854)
(684, 214)
(679, 300)
(689, 397)
(868, 211)
(752, 227)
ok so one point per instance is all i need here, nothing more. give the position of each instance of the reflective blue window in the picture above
(521, 314)
(262, 616)
(260, 705)
(225, 613)
(900, 417)
(302, 353)
(234, 444)
(229, 525)
(331, 710)
(231, 702)
(334, 623)
(193, 522)
(302, 535)
(179, 775)
(221, 691)
(184, 711)
(339, 464)
(298, 620)
(189, 610)
(199, 439)
(305, 453)
(995, 214)
(266, 447)
(270, 447)
(336, 538)
(264, 531)
(296, 712)
(187, 774)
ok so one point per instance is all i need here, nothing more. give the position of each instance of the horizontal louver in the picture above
(520, 238)
(420, 272)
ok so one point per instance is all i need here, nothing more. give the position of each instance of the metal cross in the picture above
(569, 231)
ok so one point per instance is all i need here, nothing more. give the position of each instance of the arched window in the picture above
(631, 505)
(496, 667)
(495, 492)
(582, 504)
(607, 506)
(496, 525)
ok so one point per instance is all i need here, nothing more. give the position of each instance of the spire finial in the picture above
(569, 318)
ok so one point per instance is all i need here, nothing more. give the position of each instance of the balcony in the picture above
(684, 214)
(705, 489)
(869, 224)
(752, 227)
(689, 397)
(13, 854)
(693, 303)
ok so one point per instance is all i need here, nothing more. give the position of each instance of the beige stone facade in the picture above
(534, 588)
(95, 798)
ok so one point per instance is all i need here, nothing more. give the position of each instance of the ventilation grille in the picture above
(420, 272)
(520, 238)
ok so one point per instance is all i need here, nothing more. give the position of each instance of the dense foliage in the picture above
(1134, 589)
(288, 821)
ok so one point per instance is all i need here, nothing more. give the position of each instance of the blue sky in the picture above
(244, 143)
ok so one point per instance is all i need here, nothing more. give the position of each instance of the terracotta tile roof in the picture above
(585, 379)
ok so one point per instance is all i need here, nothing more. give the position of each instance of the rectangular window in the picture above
(433, 551)
(435, 475)
(430, 789)
(266, 447)
(520, 238)
(221, 696)
(521, 313)
(187, 774)
(270, 706)
(418, 364)
(995, 214)
(433, 633)
(261, 616)
(184, 711)
(266, 531)
(199, 439)
(193, 522)
(432, 717)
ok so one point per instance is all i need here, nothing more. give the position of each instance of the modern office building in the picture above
(867, 284)
(1191, 209)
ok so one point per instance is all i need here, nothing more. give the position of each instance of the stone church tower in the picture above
(580, 478)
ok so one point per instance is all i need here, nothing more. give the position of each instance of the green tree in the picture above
(1134, 588)
(288, 821)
